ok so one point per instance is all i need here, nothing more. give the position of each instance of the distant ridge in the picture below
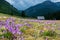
(43, 9)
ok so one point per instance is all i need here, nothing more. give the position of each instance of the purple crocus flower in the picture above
(10, 25)
(59, 28)
(41, 31)
(19, 25)
(46, 38)
(29, 25)
(2, 23)
(22, 38)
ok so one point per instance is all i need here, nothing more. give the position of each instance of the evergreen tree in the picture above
(23, 14)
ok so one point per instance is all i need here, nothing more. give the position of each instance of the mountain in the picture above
(46, 9)
(7, 8)
(58, 5)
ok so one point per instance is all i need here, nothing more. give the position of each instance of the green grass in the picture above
(35, 25)
(19, 17)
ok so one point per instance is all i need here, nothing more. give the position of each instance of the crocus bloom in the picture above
(10, 25)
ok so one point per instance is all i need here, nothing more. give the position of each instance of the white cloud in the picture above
(10, 1)
(23, 4)
(55, 0)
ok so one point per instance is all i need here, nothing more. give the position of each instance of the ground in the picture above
(27, 29)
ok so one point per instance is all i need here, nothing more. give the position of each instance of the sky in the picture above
(24, 4)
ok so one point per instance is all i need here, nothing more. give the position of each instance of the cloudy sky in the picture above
(24, 4)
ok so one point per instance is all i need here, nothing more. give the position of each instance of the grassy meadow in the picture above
(18, 28)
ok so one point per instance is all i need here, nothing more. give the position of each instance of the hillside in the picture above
(7, 8)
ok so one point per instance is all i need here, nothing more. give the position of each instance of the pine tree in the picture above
(23, 14)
